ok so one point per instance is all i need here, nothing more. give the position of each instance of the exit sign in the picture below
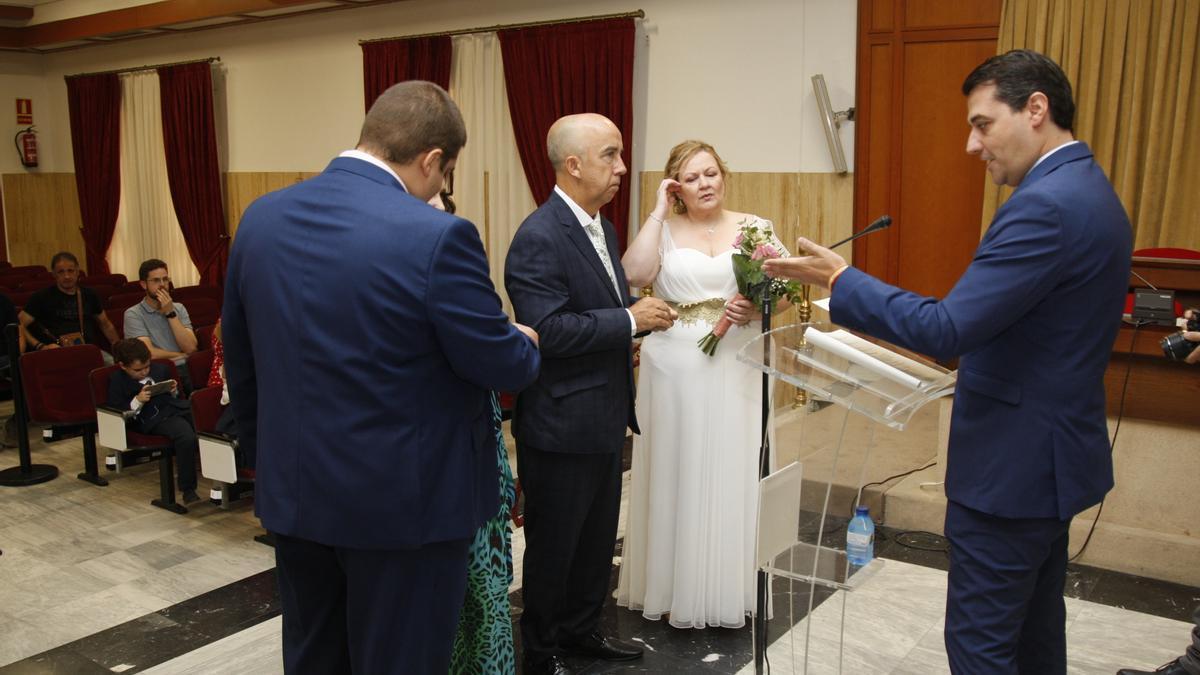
(24, 111)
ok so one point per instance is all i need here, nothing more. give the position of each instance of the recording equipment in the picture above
(881, 223)
(1153, 307)
(1175, 346)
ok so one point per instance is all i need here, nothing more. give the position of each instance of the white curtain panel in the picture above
(146, 222)
(490, 188)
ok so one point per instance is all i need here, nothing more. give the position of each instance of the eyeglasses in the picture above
(447, 191)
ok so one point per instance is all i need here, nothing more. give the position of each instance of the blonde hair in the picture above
(680, 155)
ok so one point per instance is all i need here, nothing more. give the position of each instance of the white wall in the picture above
(21, 76)
(736, 75)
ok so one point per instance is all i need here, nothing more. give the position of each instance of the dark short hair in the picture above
(149, 266)
(410, 118)
(127, 351)
(1018, 74)
(63, 255)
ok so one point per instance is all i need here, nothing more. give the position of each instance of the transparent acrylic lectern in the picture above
(852, 395)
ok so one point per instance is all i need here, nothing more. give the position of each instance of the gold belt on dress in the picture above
(705, 311)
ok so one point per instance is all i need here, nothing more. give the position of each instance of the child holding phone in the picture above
(161, 413)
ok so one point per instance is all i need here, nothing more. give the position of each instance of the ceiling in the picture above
(133, 20)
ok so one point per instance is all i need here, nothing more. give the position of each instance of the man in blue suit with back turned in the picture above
(1034, 318)
(362, 336)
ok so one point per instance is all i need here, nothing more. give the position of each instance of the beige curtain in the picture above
(146, 222)
(1135, 71)
(490, 188)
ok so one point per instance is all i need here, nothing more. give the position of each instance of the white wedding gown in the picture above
(689, 537)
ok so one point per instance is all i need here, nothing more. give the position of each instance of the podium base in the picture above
(37, 473)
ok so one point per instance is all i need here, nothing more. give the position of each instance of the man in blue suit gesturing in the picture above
(362, 336)
(1034, 318)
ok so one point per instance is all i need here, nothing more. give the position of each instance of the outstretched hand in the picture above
(815, 268)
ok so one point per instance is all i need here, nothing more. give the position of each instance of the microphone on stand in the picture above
(881, 223)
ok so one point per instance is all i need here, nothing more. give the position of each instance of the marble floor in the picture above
(95, 579)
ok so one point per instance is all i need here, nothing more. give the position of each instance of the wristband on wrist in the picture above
(656, 218)
(836, 273)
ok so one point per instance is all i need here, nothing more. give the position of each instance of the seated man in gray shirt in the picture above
(162, 324)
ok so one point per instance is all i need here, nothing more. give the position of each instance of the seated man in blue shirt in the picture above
(159, 322)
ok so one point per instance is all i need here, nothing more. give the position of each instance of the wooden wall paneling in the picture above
(901, 169)
(42, 217)
(950, 13)
(879, 16)
(873, 163)
(241, 188)
(941, 185)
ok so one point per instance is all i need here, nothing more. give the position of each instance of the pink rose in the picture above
(764, 252)
(737, 241)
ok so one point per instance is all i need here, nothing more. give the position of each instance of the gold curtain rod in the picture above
(139, 68)
(637, 14)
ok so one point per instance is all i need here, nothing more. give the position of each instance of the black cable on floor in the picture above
(1116, 430)
(854, 499)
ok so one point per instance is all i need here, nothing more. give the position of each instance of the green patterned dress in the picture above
(483, 642)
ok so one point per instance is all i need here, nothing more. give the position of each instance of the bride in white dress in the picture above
(689, 537)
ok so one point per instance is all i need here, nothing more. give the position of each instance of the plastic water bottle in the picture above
(860, 538)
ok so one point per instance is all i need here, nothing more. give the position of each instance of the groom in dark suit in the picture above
(1034, 318)
(362, 336)
(564, 277)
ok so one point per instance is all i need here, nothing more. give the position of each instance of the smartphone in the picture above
(160, 387)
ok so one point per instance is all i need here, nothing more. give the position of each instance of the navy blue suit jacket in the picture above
(582, 400)
(1034, 318)
(362, 336)
(122, 388)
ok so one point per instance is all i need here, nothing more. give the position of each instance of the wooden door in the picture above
(910, 148)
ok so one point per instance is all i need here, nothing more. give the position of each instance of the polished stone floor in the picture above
(97, 580)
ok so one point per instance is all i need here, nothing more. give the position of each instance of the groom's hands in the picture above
(652, 314)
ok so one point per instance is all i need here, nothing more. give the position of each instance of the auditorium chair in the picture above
(218, 452)
(186, 294)
(201, 311)
(28, 271)
(125, 299)
(199, 363)
(112, 280)
(129, 447)
(55, 383)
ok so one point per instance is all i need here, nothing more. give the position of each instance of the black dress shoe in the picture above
(551, 666)
(1172, 668)
(599, 647)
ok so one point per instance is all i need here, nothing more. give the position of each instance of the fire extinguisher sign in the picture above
(24, 111)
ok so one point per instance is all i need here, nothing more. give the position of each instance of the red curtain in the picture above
(551, 71)
(94, 102)
(389, 62)
(193, 171)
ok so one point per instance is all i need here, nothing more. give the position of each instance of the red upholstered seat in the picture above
(114, 434)
(199, 363)
(1167, 252)
(55, 384)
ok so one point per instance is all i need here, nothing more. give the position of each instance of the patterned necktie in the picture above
(596, 234)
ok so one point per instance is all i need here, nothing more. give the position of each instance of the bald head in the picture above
(585, 151)
(570, 135)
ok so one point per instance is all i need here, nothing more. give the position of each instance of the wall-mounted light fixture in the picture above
(831, 121)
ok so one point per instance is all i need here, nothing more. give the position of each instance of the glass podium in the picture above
(853, 395)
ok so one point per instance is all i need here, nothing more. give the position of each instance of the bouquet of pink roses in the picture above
(754, 244)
